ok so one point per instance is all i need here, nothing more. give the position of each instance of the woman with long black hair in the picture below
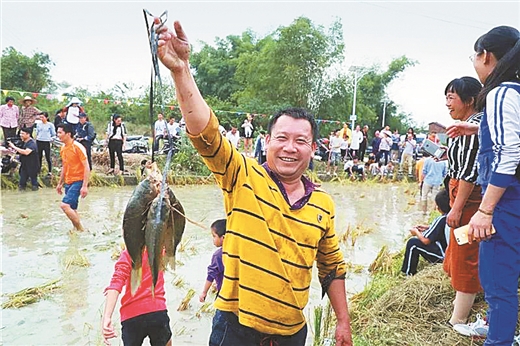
(115, 139)
(497, 63)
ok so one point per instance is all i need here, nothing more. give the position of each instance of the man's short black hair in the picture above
(67, 128)
(27, 130)
(9, 98)
(296, 113)
(442, 199)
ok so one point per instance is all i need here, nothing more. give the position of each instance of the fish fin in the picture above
(169, 261)
(135, 279)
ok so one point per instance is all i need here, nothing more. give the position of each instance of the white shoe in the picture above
(477, 329)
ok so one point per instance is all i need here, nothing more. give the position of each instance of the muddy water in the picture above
(36, 246)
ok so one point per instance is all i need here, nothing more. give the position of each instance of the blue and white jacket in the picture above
(499, 152)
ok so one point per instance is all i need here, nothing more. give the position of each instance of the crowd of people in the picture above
(15, 121)
(279, 223)
(388, 153)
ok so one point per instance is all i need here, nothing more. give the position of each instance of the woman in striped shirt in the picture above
(461, 262)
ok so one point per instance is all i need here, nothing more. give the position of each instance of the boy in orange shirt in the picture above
(75, 173)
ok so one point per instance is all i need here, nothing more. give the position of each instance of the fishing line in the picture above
(188, 219)
(153, 40)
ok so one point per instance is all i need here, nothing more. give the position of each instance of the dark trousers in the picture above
(415, 248)
(154, 325)
(362, 150)
(384, 154)
(115, 146)
(227, 331)
(88, 149)
(45, 147)
(9, 132)
(156, 142)
(25, 175)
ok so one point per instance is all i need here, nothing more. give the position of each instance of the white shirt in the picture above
(233, 138)
(73, 115)
(120, 131)
(409, 146)
(172, 128)
(357, 138)
(160, 127)
(335, 144)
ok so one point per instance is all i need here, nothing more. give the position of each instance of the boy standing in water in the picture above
(74, 173)
(216, 268)
(142, 314)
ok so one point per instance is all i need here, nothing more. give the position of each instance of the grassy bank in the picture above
(398, 310)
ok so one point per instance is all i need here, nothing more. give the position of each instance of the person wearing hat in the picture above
(9, 114)
(28, 113)
(29, 163)
(45, 132)
(72, 110)
(85, 134)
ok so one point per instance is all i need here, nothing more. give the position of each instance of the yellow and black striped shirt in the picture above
(269, 249)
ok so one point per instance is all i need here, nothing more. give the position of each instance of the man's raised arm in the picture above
(174, 53)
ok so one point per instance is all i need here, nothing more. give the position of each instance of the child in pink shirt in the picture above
(142, 314)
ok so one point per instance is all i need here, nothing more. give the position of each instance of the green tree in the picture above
(289, 66)
(20, 72)
(215, 67)
(337, 102)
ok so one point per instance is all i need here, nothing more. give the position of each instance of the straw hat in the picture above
(28, 98)
(74, 100)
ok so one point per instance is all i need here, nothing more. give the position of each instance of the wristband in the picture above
(488, 213)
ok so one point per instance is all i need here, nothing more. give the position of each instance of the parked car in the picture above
(135, 144)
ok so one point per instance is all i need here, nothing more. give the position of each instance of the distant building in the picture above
(436, 127)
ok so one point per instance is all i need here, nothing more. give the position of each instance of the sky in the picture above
(97, 45)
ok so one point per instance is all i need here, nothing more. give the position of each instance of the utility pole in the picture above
(385, 101)
(357, 77)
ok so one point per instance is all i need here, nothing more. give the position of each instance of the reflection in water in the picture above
(35, 240)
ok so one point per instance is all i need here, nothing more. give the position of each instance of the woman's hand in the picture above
(462, 129)
(480, 227)
(174, 49)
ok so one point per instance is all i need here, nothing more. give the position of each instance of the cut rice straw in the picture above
(30, 295)
(186, 301)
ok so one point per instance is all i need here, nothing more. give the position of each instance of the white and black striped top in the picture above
(462, 154)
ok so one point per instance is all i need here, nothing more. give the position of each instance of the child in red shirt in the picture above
(142, 314)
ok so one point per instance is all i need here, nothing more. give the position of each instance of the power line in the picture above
(434, 18)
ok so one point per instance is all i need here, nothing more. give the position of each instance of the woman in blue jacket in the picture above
(497, 63)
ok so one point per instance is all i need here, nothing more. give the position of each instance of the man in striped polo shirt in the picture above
(278, 222)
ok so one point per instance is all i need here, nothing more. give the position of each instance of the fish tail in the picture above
(171, 262)
(135, 279)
